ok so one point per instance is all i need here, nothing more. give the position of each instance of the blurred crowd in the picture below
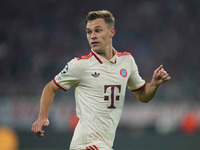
(37, 39)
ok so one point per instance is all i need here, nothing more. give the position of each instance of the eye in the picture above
(98, 30)
(88, 32)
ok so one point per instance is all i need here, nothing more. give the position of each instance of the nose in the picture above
(93, 35)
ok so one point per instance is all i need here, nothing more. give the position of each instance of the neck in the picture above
(108, 53)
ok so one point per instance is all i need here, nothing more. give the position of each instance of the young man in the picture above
(100, 79)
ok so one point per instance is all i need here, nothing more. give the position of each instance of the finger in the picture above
(34, 128)
(167, 79)
(162, 72)
(159, 68)
(40, 134)
(159, 74)
(39, 129)
(165, 76)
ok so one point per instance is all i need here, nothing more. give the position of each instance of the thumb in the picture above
(46, 124)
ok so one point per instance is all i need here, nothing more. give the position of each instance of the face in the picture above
(99, 35)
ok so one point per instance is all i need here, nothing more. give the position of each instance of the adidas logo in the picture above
(95, 75)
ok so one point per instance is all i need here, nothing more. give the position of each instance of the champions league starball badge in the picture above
(65, 69)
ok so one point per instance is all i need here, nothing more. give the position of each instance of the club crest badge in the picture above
(123, 73)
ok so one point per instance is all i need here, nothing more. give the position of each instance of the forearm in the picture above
(148, 92)
(160, 76)
(46, 100)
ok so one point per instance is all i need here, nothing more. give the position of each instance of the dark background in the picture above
(38, 37)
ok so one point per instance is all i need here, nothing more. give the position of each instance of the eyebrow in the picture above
(95, 27)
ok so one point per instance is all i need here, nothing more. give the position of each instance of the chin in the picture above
(97, 50)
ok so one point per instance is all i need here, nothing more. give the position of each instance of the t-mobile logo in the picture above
(112, 95)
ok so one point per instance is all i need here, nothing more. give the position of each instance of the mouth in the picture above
(94, 43)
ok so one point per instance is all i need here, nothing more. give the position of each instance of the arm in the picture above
(160, 76)
(48, 94)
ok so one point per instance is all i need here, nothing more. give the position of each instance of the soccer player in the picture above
(100, 79)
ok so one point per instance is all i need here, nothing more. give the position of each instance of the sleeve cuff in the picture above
(59, 85)
(134, 90)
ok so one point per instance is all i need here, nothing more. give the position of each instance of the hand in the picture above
(160, 76)
(38, 125)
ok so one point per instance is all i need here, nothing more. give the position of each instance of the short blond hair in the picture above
(104, 14)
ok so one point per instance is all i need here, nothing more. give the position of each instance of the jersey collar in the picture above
(101, 59)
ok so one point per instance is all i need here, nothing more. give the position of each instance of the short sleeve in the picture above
(135, 81)
(69, 76)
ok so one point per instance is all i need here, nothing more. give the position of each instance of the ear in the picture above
(112, 32)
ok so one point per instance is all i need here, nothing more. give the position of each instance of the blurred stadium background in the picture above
(38, 37)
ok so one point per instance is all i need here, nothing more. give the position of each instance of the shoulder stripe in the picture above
(119, 54)
(93, 147)
(87, 56)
